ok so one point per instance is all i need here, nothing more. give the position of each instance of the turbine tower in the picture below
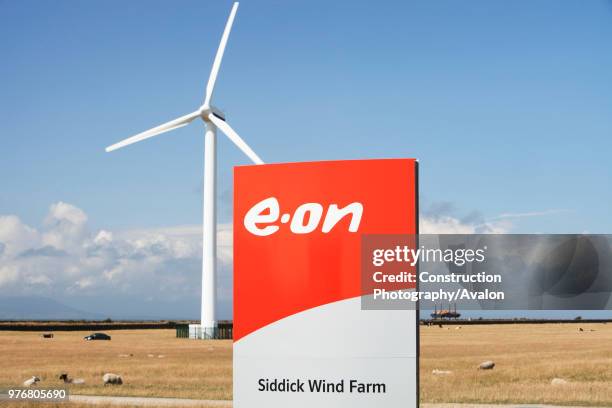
(213, 118)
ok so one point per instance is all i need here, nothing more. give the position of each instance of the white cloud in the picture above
(445, 224)
(103, 237)
(439, 218)
(15, 236)
(66, 226)
(225, 244)
(529, 214)
(8, 275)
(84, 282)
(65, 257)
(183, 241)
(39, 280)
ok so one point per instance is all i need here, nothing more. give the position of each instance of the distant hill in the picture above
(40, 308)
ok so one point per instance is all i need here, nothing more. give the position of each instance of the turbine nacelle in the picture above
(207, 110)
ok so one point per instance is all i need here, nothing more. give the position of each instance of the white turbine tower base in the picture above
(213, 119)
(209, 234)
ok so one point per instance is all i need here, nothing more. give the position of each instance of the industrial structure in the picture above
(445, 313)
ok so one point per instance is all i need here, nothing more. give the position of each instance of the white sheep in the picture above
(487, 365)
(112, 379)
(31, 381)
(441, 372)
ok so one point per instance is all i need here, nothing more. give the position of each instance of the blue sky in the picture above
(506, 104)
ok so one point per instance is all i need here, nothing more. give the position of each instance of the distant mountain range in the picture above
(41, 308)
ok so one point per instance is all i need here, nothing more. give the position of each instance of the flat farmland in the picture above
(151, 362)
(154, 363)
(527, 357)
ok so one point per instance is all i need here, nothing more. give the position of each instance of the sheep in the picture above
(487, 365)
(31, 381)
(112, 379)
(441, 372)
(68, 380)
(558, 381)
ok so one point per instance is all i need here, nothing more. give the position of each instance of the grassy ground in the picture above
(528, 357)
(187, 369)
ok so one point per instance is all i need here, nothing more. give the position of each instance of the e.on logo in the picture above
(304, 220)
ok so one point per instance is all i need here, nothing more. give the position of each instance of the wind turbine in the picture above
(213, 118)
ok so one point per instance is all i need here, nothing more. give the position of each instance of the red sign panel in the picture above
(298, 227)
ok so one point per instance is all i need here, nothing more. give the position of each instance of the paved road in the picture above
(145, 401)
(178, 402)
(492, 406)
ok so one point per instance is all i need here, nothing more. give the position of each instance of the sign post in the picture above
(301, 337)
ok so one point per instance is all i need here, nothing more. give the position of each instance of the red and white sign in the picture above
(301, 338)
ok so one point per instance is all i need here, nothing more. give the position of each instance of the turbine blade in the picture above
(158, 130)
(217, 63)
(234, 137)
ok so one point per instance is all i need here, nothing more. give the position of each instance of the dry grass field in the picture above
(528, 357)
(187, 368)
